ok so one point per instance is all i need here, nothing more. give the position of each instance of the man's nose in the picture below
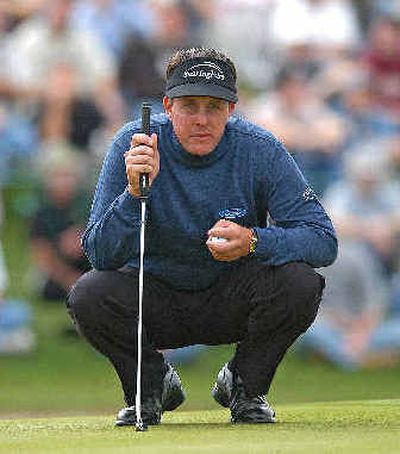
(201, 117)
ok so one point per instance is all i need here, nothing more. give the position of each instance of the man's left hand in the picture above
(237, 242)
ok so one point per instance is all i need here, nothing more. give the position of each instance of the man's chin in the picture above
(200, 149)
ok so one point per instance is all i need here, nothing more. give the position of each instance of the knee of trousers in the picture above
(302, 289)
(82, 299)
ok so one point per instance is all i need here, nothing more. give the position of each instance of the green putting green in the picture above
(337, 427)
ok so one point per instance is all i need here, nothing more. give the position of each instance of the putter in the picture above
(144, 191)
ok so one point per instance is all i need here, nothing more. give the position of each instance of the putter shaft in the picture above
(138, 399)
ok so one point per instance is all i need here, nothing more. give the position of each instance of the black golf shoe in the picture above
(173, 394)
(150, 411)
(229, 391)
(153, 407)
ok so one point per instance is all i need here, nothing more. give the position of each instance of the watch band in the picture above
(253, 242)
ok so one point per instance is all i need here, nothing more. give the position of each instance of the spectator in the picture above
(346, 87)
(15, 316)
(355, 326)
(16, 334)
(113, 21)
(175, 23)
(394, 154)
(242, 27)
(172, 28)
(383, 60)
(80, 75)
(20, 10)
(198, 15)
(390, 8)
(139, 77)
(172, 24)
(57, 224)
(183, 355)
(18, 141)
(327, 26)
(312, 132)
(311, 34)
(368, 197)
(18, 136)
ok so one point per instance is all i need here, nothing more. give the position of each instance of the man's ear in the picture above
(231, 107)
(167, 103)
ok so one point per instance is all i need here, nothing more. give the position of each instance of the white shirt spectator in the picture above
(34, 50)
(327, 23)
(241, 27)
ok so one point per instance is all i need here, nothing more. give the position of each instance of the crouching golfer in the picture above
(233, 232)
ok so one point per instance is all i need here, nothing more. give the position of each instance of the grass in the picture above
(340, 427)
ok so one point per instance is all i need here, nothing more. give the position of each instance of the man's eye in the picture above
(215, 107)
(189, 108)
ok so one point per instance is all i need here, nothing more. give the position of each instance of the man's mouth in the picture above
(201, 135)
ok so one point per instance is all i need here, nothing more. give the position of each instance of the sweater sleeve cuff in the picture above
(266, 242)
(128, 206)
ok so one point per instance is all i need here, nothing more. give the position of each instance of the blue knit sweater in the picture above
(249, 170)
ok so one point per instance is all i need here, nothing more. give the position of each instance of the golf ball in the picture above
(218, 239)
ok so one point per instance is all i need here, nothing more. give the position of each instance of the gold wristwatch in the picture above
(253, 242)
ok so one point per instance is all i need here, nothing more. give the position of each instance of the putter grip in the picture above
(144, 184)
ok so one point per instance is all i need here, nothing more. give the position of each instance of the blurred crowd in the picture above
(322, 75)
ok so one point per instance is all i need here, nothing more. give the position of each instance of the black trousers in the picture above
(262, 309)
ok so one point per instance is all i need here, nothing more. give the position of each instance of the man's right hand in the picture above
(142, 157)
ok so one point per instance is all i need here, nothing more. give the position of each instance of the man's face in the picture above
(198, 121)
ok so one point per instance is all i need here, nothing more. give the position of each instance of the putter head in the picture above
(141, 426)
